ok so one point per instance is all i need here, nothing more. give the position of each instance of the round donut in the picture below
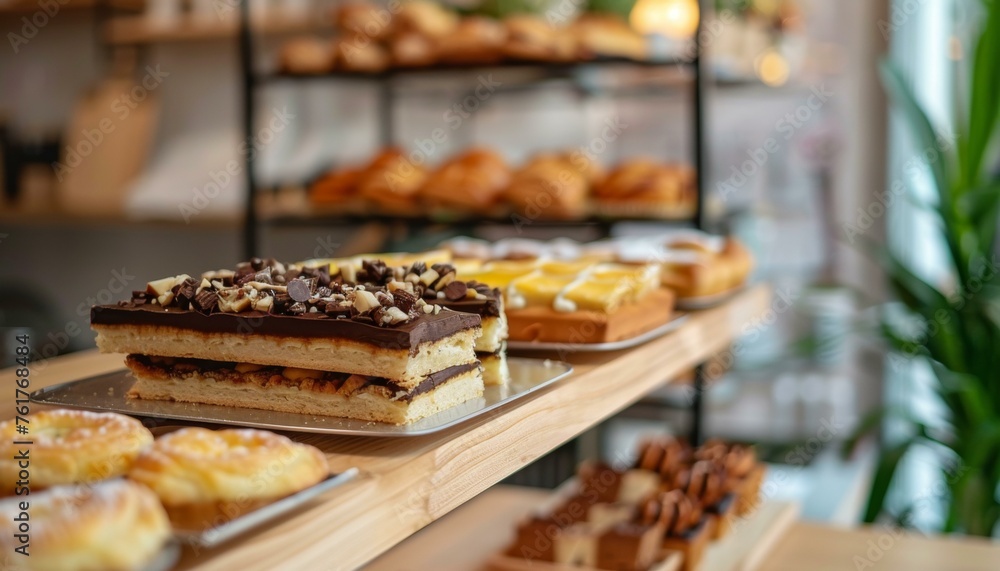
(115, 525)
(207, 477)
(69, 447)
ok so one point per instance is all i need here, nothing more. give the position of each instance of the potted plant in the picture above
(957, 321)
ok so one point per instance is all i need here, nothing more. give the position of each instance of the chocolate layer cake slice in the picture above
(304, 391)
(266, 314)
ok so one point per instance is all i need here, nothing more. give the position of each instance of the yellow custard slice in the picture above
(537, 289)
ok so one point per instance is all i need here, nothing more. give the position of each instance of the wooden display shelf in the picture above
(407, 483)
(473, 537)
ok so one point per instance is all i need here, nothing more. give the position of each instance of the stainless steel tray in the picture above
(564, 348)
(107, 393)
(707, 301)
(223, 533)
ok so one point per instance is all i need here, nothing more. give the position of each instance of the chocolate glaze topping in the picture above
(390, 307)
(407, 335)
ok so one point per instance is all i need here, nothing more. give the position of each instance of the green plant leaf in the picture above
(983, 108)
(885, 471)
(920, 125)
(969, 391)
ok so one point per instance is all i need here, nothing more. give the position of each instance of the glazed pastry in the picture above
(532, 38)
(427, 19)
(549, 186)
(205, 478)
(646, 188)
(709, 484)
(472, 182)
(696, 267)
(410, 49)
(306, 56)
(665, 456)
(109, 526)
(391, 181)
(683, 526)
(71, 447)
(337, 189)
(740, 463)
(476, 40)
(364, 19)
(360, 54)
(606, 35)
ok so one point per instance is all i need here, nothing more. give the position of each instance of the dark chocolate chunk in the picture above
(205, 302)
(281, 303)
(299, 290)
(256, 264)
(418, 268)
(140, 297)
(404, 300)
(455, 291)
(374, 271)
(185, 293)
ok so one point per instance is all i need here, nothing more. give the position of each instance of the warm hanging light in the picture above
(772, 68)
(673, 18)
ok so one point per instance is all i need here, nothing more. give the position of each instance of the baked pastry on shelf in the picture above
(392, 182)
(578, 302)
(411, 49)
(475, 40)
(360, 54)
(473, 181)
(363, 19)
(306, 56)
(70, 447)
(117, 525)
(552, 186)
(646, 188)
(697, 266)
(428, 19)
(607, 35)
(337, 191)
(206, 478)
(531, 38)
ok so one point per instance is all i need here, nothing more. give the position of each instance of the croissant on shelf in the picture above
(479, 182)
(417, 33)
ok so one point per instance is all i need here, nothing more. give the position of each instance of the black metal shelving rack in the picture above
(699, 83)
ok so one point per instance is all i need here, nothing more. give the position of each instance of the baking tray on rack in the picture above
(672, 325)
(107, 393)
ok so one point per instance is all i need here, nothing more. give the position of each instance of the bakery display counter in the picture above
(771, 539)
(405, 484)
